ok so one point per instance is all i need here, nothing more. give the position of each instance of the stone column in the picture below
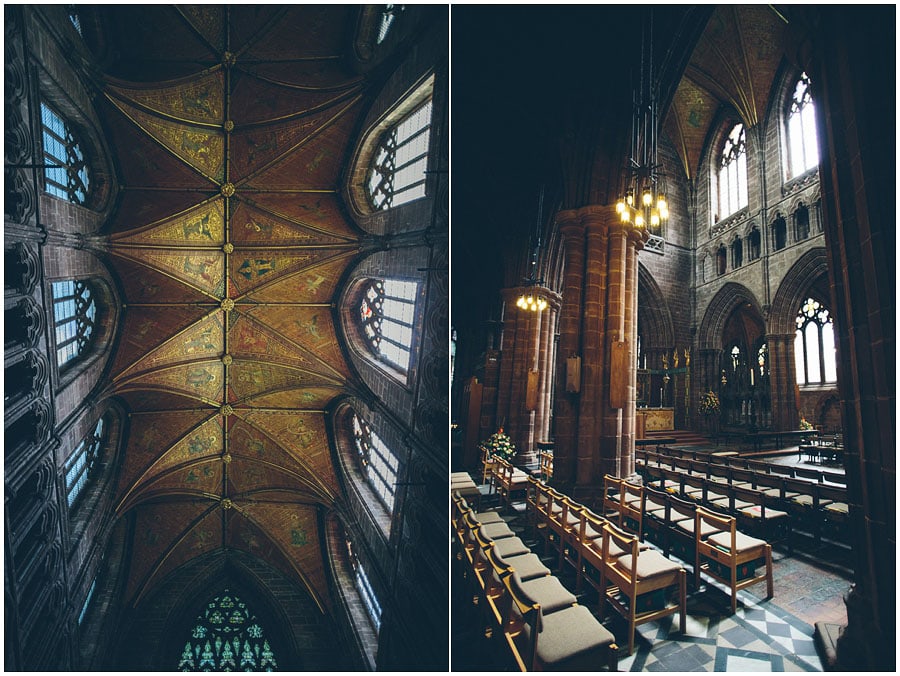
(591, 411)
(634, 244)
(566, 404)
(545, 361)
(783, 381)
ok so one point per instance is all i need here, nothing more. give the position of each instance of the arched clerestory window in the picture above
(364, 587)
(74, 314)
(227, 636)
(814, 350)
(388, 14)
(387, 313)
(732, 173)
(82, 464)
(380, 464)
(398, 165)
(802, 152)
(65, 171)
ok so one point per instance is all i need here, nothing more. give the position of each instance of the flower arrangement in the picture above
(499, 444)
(804, 423)
(709, 403)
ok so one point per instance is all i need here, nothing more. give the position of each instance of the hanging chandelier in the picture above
(643, 202)
(531, 299)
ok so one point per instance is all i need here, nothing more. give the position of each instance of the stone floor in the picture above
(763, 635)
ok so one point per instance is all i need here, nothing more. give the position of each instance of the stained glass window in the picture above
(74, 312)
(397, 174)
(803, 147)
(81, 464)
(732, 174)
(364, 586)
(227, 637)
(65, 173)
(87, 601)
(814, 351)
(379, 463)
(387, 310)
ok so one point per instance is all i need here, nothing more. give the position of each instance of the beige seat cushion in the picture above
(803, 500)
(706, 528)
(496, 531)
(755, 512)
(725, 504)
(527, 566)
(485, 518)
(549, 592)
(742, 542)
(508, 547)
(838, 508)
(651, 507)
(570, 636)
(650, 563)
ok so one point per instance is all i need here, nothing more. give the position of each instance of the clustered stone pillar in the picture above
(782, 379)
(599, 309)
(526, 348)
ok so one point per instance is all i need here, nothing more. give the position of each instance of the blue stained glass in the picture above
(230, 639)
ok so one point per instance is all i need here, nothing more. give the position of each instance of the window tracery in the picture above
(399, 163)
(387, 312)
(732, 173)
(227, 637)
(65, 173)
(74, 313)
(814, 350)
(802, 142)
(379, 462)
(81, 465)
(364, 586)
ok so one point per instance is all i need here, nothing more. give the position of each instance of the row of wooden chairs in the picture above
(773, 504)
(694, 533)
(539, 619)
(676, 456)
(633, 579)
(508, 480)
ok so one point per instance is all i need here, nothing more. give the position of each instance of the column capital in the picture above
(569, 224)
(595, 217)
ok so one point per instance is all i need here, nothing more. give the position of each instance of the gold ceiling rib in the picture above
(299, 115)
(291, 219)
(742, 49)
(213, 296)
(349, 84)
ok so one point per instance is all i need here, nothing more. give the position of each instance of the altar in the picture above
(657, 419)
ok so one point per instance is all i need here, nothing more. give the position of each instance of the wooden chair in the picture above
(511, 480)
(488, 460)
(571, 532)
(654, 515)
(633, 508)
(729, 556)
(546, 465)
(570, 639)
(636, 584)
(557, 515)
(612, 498)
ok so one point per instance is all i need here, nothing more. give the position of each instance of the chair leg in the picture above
(631, 623)
(770, 585)
(682, 598)
(733, 589)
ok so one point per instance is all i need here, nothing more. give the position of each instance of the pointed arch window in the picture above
(754, 241)
(399, 163)
(732, 173)
(364, 586)
(81, 466)
(65, 173)
(227, 637)
(379, 462)
(387, 311)
(802, 142)
(74, 314)
(814, 351)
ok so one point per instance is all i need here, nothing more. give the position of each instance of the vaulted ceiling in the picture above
(231, 126)
(733, 65)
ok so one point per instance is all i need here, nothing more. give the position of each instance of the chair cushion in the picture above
(496, 531)
(742, 542)
(802, 499)
(755, 512)
(570, 634)
(454, 476)
(485, 518)
(650, 563)
(527, 566)
(549, 592)
(838, 508)
(508, 547)
(706, 528)
(651, 507)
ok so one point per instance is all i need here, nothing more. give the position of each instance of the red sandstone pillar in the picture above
(566, 404)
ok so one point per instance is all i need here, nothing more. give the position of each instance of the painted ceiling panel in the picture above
(257, 102)
(157, 527)
(200, 340)
(315, 284)
(254, 226)
(231, 240)
(314, 165)
(199, 99)
(294, 529)
(200, 537)
(143, 448)
(147, 330)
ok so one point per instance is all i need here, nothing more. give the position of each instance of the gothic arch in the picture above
(654, 317)
(730, 296)
(808, 272)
